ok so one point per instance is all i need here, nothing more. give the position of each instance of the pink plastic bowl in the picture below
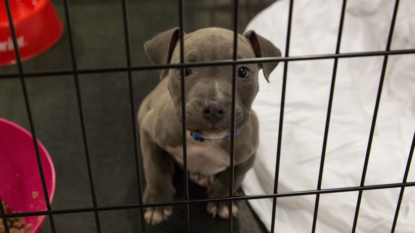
(20, 181)
(37, 29)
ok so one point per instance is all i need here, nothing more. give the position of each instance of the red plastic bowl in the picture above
(37, 29)
(20, 181)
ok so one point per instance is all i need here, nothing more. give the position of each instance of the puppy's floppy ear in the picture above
(263, 48)
(160, 49)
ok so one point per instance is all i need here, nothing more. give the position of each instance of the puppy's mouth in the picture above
(213, 137)
(206, 128)
(213, 131)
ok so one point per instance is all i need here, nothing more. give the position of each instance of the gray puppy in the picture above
(208, 113)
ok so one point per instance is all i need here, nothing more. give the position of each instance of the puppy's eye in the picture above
(187, 72)
(243, 72)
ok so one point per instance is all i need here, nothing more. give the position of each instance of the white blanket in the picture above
(314, 31)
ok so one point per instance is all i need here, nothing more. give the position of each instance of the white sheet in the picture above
(314, 31)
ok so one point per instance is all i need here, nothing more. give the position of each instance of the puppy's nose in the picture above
(213, 111)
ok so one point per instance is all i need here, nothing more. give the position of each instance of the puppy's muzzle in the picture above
(213, 111)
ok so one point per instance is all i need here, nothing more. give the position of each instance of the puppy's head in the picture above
(209, 89)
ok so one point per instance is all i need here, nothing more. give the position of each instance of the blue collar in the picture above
(197, 137)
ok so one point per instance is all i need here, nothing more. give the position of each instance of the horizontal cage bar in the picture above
(214, 63)
(235, 198)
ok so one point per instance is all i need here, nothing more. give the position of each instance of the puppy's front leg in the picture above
(220, 188)
(158, 169)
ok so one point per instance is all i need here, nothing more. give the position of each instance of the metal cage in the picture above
(286, 59)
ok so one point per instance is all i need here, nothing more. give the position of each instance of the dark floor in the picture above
(99, 43)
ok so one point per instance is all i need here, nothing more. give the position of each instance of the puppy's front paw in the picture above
(222, 209)
(155, 215)
(202, 180)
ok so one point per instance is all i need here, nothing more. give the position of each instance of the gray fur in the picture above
(159, 116)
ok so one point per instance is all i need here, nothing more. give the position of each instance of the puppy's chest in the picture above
(206, 158)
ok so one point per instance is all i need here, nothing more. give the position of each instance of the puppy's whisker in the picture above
(168, 120)
(172, 111)
(262, 123)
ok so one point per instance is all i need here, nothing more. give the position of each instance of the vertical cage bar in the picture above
(29, 114)
(281, 121)
(6, 227)
(133, 118)
(375, 113)
(327, 126)
(405, 177)
(81, 114)
(232, 151)
(186, 173)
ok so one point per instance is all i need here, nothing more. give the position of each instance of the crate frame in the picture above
(234, 62)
